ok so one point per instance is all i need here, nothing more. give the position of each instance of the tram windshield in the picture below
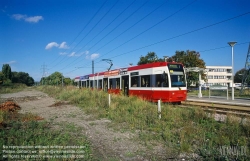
(177, 75)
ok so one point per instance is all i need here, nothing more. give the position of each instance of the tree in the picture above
(190, 59)
(239, 75)
(1, 78)
(6, 70)
(149, 58)
(53, 79)
(22, 77)
(67, 81)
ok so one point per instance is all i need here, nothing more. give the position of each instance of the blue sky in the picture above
(66, 35)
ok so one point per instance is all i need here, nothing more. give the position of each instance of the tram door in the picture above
(105, 84)
(125, 85)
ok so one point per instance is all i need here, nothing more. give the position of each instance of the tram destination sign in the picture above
(123, 71)
(134, 73)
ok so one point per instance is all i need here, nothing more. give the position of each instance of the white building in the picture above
(219, 75)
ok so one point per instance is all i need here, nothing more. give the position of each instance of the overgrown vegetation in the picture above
(12, 87)
(181, 130)
(23, 137)
(56, 79)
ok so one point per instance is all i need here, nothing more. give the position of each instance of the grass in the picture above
(181, 130)
(12, 88)
(33, 137)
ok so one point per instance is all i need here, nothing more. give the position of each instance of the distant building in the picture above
(219, 75)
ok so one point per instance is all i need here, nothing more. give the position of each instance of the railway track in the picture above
(219, 107)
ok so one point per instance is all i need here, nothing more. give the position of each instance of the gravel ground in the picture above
(107, 143)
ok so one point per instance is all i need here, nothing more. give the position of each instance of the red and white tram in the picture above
(165, 81)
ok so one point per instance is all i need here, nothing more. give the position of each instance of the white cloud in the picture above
(63, 45)
(77, 55)
(10, 62)
(51, 45)
(72, 54)
(18, 16)
(31, 19)
(62, 53)
(86, 52)
(94, 56)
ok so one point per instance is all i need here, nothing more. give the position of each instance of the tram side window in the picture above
(105, 84)
(110, 84)
(117, 80)
(91, 84)
(95, 84)
(145, 81)
(162, 80)
(158, 80)
(87, 83)
(100, 84)
(134, 81)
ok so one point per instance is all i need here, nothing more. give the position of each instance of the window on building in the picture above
(229, 70)
(209, 77)
(210, 70)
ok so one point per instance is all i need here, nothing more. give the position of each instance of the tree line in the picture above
(187, 58)
(56, 78)
(7, 77)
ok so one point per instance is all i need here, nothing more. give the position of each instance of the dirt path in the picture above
(108, 144)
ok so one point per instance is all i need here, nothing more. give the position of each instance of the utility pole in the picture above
(92, 66)
(43, 68)
(62, 80)
(246, 73)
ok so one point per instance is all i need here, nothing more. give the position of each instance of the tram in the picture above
(165, 81)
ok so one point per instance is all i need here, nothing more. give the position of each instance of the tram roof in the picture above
(150, 65)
